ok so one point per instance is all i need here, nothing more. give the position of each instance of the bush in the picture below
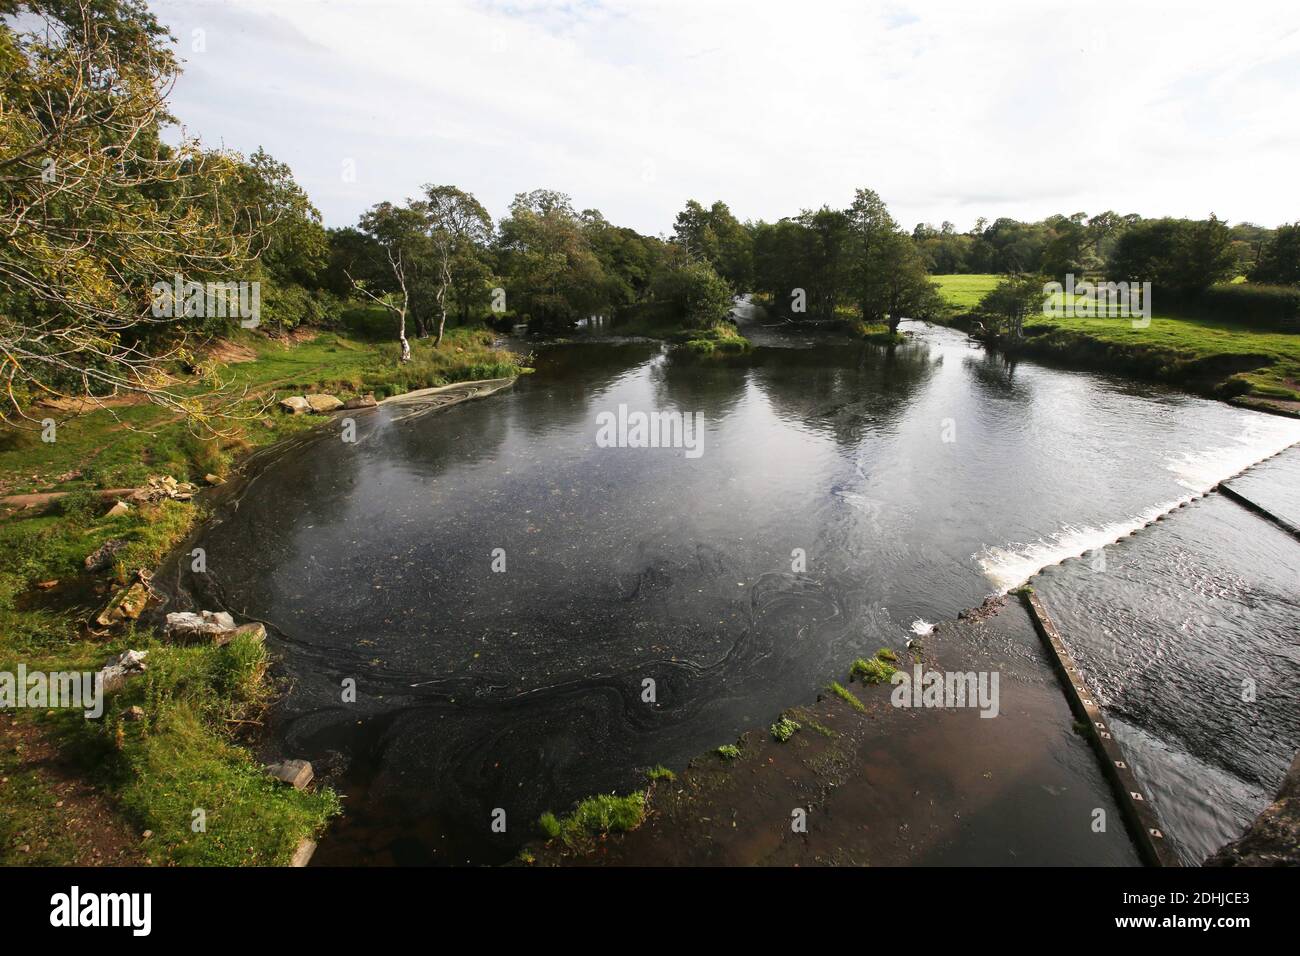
(1275, 307)
(701, 297)
(784, 729)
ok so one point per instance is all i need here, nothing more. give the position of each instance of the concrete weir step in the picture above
(1232, 493)
(1143, 823)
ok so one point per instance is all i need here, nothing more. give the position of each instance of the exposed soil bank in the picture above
(895, 786)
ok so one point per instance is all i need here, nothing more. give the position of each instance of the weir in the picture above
(1139, 814)
(1232, 493)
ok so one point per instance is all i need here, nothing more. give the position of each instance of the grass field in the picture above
(1194, 342)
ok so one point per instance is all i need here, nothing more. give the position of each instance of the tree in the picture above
(399, 233)
(548, 261)
(96, 210)
(1279, 258)
(1010, 301)
(459, 230)
(888, 277)
(715, 236)
(698, 294)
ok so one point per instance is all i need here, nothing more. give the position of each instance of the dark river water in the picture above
(916, 481)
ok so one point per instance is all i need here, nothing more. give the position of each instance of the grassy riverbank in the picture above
(1208, 355)
(166, 775)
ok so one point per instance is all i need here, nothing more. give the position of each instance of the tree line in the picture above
(96, 208)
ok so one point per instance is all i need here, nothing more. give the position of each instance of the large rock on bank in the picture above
(1274, 838)
(208, 627)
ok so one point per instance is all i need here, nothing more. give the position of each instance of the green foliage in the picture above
(880, 334)
(885, 654)
(846, 695)
(714, 236)
(728, 752)
(605, 813)
(872, 671)
(553, 274)
(661, 773)
(1279, 259)
(1181, 257)
(549, 824)
(1010, 302)
(701, 297)
(784, 729)
(721, 338)
(1274, 307)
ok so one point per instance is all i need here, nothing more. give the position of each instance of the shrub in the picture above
(784, 729)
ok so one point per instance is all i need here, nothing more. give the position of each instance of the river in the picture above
(915, 481)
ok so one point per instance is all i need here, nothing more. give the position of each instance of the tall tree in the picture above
(459, 230)
(399, 232)
(547, 259)
(95, 209)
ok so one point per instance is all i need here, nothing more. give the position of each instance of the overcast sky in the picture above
(948, 110)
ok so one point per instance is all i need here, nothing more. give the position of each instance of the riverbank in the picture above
(166, 774)
(1218, 358)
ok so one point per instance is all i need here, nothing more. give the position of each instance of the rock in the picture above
(102, 557)
(1274, 838)
(159, 487)
(216, 627)
(113, 675)
(320, 404)
(295, 405)
(126, 605)
(255, 630)
(362, 401)
(119, 508)
(134, 712)
(296, 773)
(214, 479)
(302, 855)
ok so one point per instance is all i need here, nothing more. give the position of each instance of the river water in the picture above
(915, 481)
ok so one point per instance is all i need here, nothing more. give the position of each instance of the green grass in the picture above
(722, 338)
(187, 752)
(1233, 358)
(595, 816)
(846, 695)
(965, 291)
(728, 752)
(872, 671)
(660, 773)
(879, 334)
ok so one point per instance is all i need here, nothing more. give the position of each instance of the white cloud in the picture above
(949, 110)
